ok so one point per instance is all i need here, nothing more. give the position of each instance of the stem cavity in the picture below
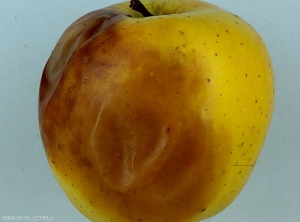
(139, 7)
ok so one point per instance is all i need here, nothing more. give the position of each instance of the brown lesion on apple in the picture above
(144, 146)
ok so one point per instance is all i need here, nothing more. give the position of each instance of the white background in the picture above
(28, 32)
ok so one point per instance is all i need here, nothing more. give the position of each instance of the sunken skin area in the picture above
(132, 141)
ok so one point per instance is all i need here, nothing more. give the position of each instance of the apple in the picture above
(155, 118)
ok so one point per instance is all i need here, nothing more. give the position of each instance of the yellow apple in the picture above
(158, 118)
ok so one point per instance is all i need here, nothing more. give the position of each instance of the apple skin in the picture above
(156, 119)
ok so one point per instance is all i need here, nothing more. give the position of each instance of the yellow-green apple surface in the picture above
(158, 118)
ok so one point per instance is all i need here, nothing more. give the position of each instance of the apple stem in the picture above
(139, 7)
